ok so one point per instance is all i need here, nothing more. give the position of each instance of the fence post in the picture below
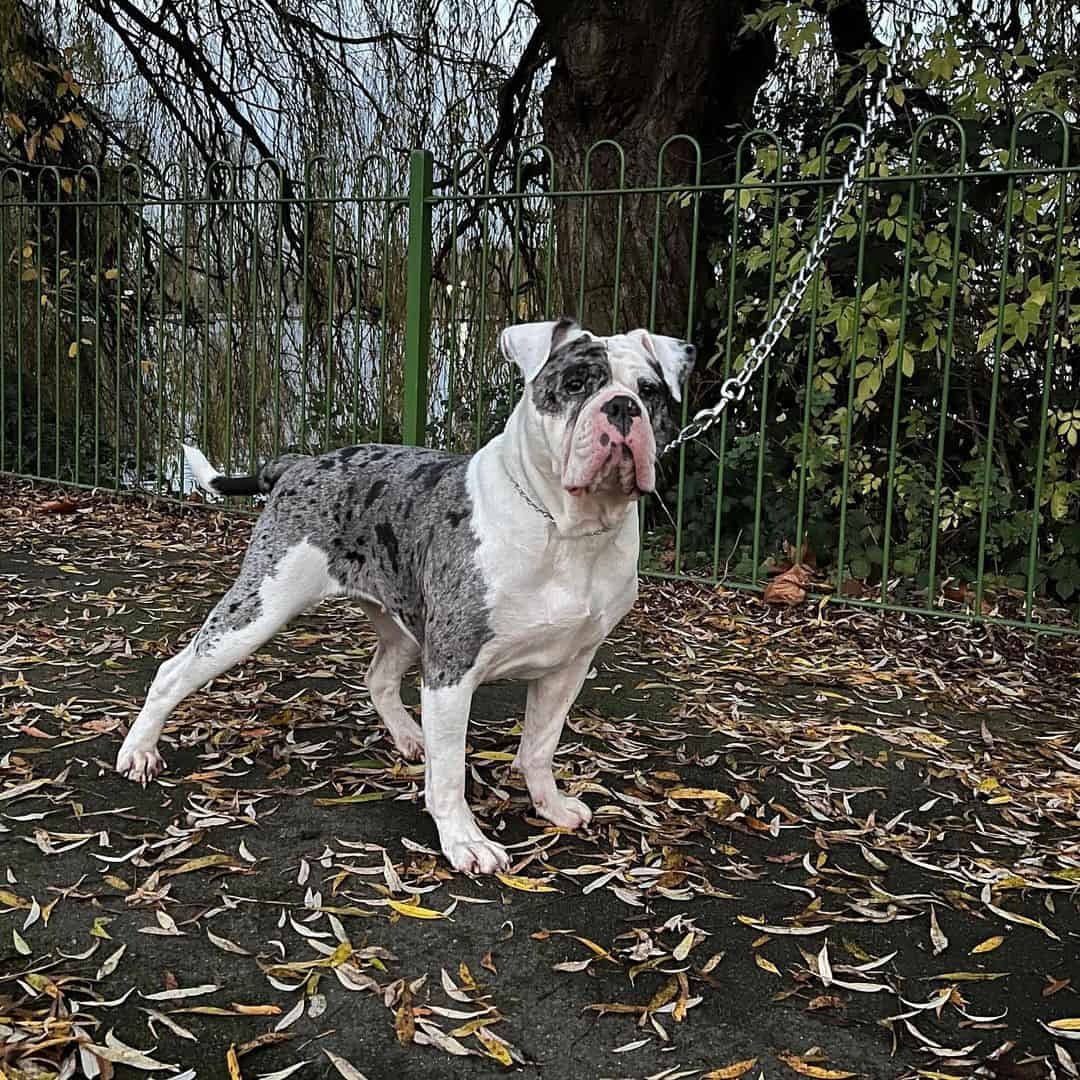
(418, 306)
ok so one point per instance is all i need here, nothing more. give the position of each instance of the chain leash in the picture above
(734, 388)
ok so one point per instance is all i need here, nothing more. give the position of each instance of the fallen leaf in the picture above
(788, 588)
(800, 1065)
(525, 884)
(766, 965)
(938, 940)
(731, 1072)
(414, 911)
(349, 1071)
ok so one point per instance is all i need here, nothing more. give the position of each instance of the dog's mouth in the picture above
(615, 474)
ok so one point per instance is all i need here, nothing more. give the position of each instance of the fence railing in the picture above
(915, 437)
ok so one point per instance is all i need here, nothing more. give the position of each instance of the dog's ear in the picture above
(530, 344)
(673, 357)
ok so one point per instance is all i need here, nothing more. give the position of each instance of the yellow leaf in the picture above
(793, 1061)
(414, 911)
(682, 950)
(525, 884)
(766, 965)
(111, 275)
(598, 949)
(20, 943)
(493, 755)
(987, 786)
(1011, 916)
(9, 899)
(340, 954)
(1069, 1023)
(699, 793)
(345, 800)
(98, 929)
(494, 1048)
(234, 1064)
(662, 996)
(989, 945)
(201, 863)
(731, 1072)
(969, 976)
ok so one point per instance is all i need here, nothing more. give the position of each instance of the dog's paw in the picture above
(409, 742)
(565, 811)
(476, 856)
(139, 763)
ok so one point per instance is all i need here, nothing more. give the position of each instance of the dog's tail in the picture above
(209, 479)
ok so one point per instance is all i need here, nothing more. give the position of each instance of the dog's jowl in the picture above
(515, 562)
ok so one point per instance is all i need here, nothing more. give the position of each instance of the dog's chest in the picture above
(546, 610)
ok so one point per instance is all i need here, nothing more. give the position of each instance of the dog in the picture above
(514, 562)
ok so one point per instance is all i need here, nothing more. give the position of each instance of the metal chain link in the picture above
(734, 388)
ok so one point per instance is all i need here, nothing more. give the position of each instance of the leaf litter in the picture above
(828, 813)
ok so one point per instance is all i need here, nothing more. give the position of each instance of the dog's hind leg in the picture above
(249, 614)
(396, 653)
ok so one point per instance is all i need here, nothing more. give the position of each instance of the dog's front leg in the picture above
(444, 714)
(550, 698)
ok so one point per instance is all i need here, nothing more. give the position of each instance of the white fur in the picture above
(445, 716)
(300, 579)
(554, 595)
(670, 354)
(202, 471)
(529, 344)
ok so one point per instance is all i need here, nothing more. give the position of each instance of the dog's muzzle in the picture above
(611, 447)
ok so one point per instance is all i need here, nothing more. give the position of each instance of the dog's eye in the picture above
(649, 391)
(574, 384)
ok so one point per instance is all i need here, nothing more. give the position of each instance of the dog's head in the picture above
(606, 406)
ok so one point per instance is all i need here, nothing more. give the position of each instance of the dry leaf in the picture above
(799, 1065)
(731, 1072)
(788, 588)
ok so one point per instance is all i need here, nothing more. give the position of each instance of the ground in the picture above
(825, 843)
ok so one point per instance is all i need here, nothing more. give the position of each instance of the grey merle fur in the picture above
(395, 525)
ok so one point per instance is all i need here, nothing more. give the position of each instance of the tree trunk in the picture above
(638, 72)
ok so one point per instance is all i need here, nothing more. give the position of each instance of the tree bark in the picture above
(638, 72)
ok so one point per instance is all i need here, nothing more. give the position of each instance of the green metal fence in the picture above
(914, 438)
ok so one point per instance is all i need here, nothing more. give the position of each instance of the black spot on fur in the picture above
(388, 538)
(374, 492)
(456, 517)
(662, 407)
(574, 372)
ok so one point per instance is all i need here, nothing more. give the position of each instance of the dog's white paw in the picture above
(476, 856)
(139, 763)
(465, 846)
(409, 742)
(565, 811)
